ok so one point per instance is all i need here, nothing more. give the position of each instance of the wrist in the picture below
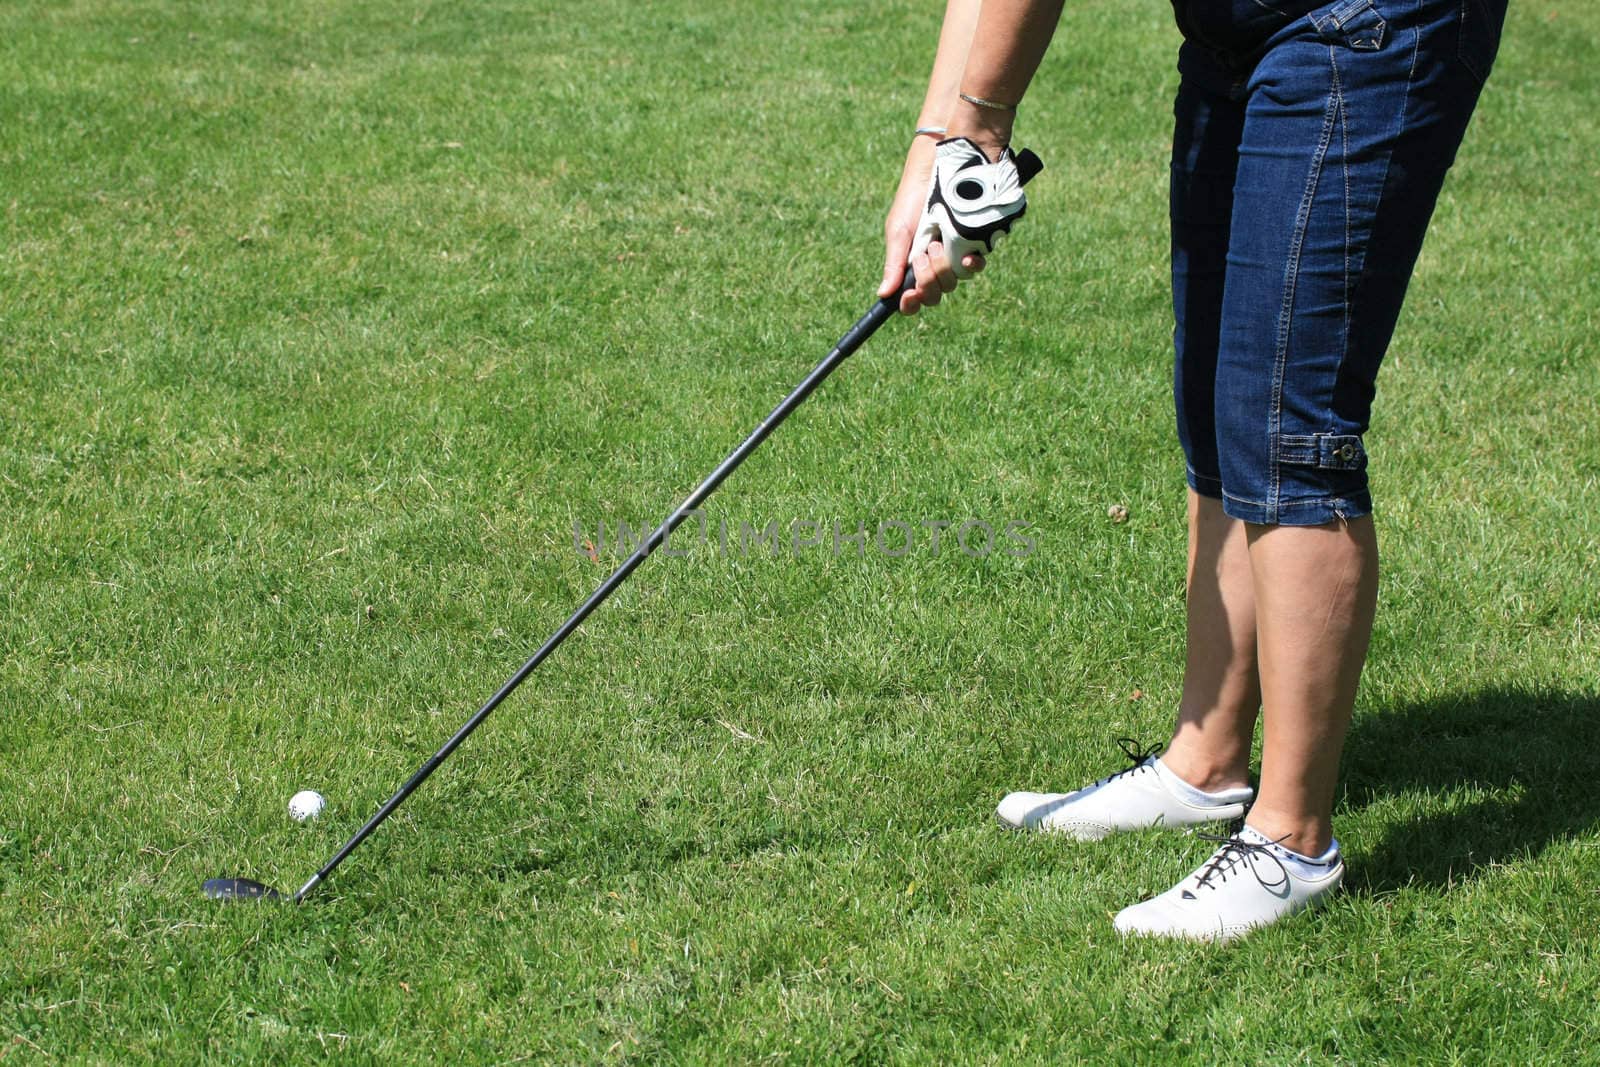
(990, 130)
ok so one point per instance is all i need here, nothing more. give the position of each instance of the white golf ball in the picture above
(306, 804)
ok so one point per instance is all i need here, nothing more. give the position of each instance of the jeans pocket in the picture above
(1356, 24)
(1478, 37)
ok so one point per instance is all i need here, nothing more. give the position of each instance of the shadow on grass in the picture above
(1454, 785)
(1497, 775)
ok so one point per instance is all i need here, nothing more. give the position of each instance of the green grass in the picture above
(320, 324)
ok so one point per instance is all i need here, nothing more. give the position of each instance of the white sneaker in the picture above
(1248, 882)
(1146, 794)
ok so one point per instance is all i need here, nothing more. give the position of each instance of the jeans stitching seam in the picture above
(1411, 75)
(1319, 502)
(1344, 166)
(1300, 505)
(1291, 276)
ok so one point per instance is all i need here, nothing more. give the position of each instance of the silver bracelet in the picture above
(992, 105)
(932, 131)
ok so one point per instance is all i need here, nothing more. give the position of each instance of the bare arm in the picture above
(989, 49)
(949, 63)
(955, 41)
(1007, 46)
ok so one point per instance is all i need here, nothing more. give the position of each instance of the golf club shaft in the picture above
(882, 310)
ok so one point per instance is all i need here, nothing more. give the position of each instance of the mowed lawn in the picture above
(322, 325)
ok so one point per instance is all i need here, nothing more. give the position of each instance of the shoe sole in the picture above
(1188, 828)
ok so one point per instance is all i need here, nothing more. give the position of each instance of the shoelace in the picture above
(1137, 758)
(1234, 854)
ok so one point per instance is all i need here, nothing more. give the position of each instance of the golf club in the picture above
(881, 311)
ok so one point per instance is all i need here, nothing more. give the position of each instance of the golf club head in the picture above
(239, 889)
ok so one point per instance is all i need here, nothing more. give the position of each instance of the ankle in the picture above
(1205, 771)
(1309, 836)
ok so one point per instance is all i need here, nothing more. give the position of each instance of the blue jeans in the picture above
(1311, 143)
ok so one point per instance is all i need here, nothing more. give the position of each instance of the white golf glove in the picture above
(971, 202)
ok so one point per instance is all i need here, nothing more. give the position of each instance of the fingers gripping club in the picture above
(972, 203)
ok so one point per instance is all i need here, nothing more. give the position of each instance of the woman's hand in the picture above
(934, 273)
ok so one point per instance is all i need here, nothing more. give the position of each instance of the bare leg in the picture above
(1316, 588)
(1210, 747)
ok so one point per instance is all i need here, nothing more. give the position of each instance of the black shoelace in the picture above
(1137, 758)
(1235, 855)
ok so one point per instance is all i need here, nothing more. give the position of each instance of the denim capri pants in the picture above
(1310, 146)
